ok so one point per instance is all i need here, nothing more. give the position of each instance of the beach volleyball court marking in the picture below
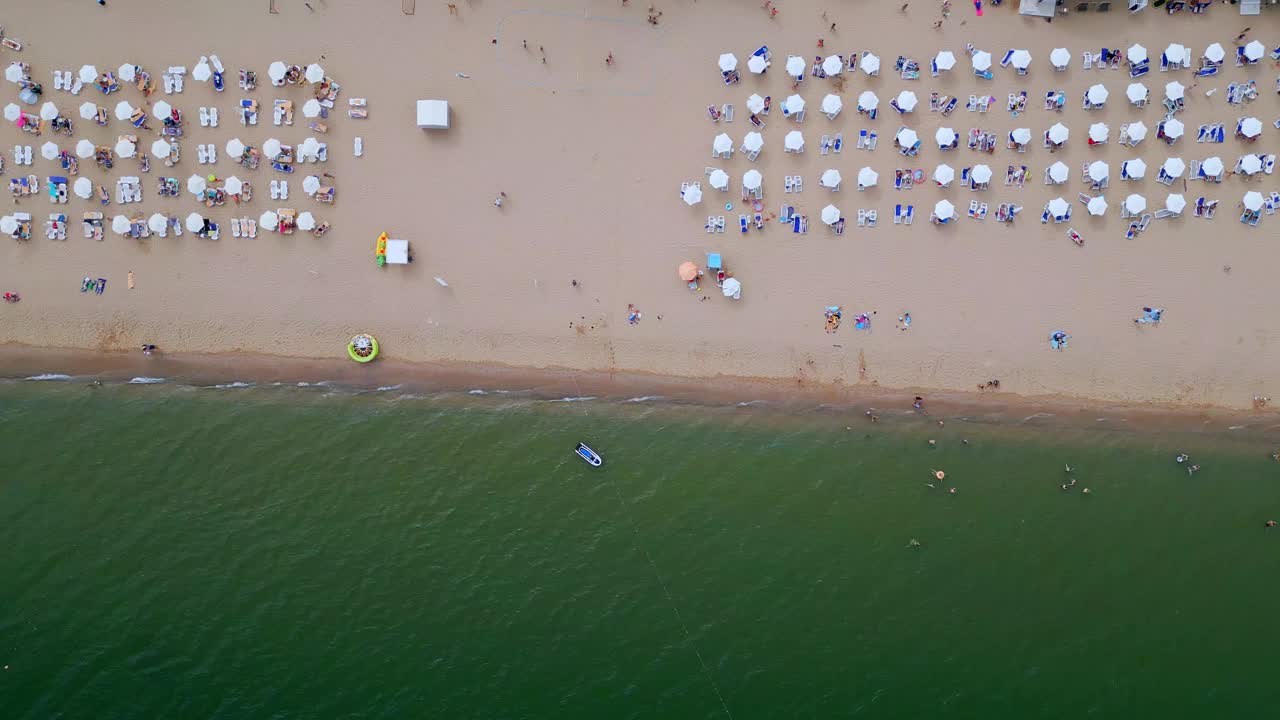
(643, 89)
(635, 542)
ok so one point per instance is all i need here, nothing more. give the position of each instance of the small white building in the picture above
(433, 114)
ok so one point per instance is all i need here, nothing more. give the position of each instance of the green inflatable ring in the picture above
(362, 348)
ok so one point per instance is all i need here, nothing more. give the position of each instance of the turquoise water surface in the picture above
(284, 552)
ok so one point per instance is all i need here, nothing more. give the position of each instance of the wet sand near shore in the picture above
(591, 157)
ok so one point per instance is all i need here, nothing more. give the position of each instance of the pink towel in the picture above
(977, 6)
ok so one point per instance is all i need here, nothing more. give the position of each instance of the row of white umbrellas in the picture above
(201, 72)
(161, 148)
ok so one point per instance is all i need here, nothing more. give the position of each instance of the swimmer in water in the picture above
(1271, 523)
(933, 443)
(952, 491)
(1182, 457)
(1085, 491)
(1191, 470)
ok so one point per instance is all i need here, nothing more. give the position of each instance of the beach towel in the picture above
(102, 285)
(862, 322)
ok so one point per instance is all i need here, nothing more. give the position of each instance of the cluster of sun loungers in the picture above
(128, 190)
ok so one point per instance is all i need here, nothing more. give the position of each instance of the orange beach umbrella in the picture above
(688, 271)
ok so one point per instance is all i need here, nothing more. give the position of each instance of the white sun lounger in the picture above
(213, 117)
(358, 146)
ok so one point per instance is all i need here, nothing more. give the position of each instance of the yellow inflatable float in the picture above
(380, 255)
(362, 348)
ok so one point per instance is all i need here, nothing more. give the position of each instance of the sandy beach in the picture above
(591, 157)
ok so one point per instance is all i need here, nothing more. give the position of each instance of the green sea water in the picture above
(175, 552)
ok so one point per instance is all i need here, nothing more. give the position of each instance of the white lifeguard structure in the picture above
(433, 114)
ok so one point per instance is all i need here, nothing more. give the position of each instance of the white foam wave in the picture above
(50, 376)
(146, 381)
(643, 398)
(237, 384)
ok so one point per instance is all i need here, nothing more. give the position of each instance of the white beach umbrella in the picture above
(833, 65)
(83, 187)
(981, 60)
(314, 73)
(14, 73)
(49, 150)
(1097, 94)
(201, 72)
(1251, 127)
(944, 174)
(306, 221)
(124, 110)
(830, 214)
(752, 141)
(88, 74)
(719, 179)
(271, 148)
(1058, 172)
(311, 183)
(128, 72)
(945, 60)
(868, 100)
(196, 184)
(1020, 59)
(1021, 135)
(944, 210)
(1136, 168)
(269, 221)
(755, 103)
(1099, 170)
(1214, 53)
(830, 178)
(945, 136)
(8, 224)
(1135, 203)
(907, 137)
(795, 65)
(1176, 53)
(1174, 167)
(907, 101)
(1098, 132)
(1058, 134)
(1097, 205)
(1137, 92)
(728, 63)
(1137, 131)
(794, 141)
(1136, 54)
(120, 224)
(731, 288)
(309, 148)
(1175, 202)
(235, 148)
(48, 111)
(1175, 90)
(88, 111)
(757, 64)
(1254, 50)
(1252, 200)
(85, 149)
(125, 148)
(1060, 57)
(691, 195)
(870, 64)
(1250, 164)
(752, 179)
(832, 104)
(1059, 207)
(722, 144)
(794, 104)
(195, 222)
(276, 71)
(161, 149)
(867, 177)
(1212, 166)
(161, 110)
(12, 112)
(980, 173)
(158, 223)
(233, 185)
(311, 108)
(1173, 128)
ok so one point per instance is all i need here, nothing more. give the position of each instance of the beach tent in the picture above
(1097, 94)
(161, 149)
(753, 141)
(1252, 200)
(83, 188)
(728, 62)
(868, 101)
(1097, 205)
(1174, 167)
(314, 73)
(945, 60)
(945, 136)
(731, 289)
(757, 64)
(830, 178)
(1020, 59)
(752, 179)
(1099, 170)
(195, 223)
(1212, 166)
(1175, 203)
(1059, 207)
(981, 60)
(49, 150)
(88, 111)
(1250, 164)
(1060, 58)
(48, 111)
(794, 141)
(944, 174)
(1137, 92)
(397, 250)
(867, 178)
(755, 104)
(85, 149)
(161, 110)
(980, 174)
(832, 105)
(1173, 128)
(719, 179)
(124, 110)
(720, 145)
(944, 210)
(1136, 54)
(870, 64)
(234, 185)
(433, 114)
(831, 214)
(906, 101)
(1137, 168)
(307, 221)
(1098, 132)
(1137, 131)
(1251, 127)
(692, 195)
(833, 65)
(1058, 134)
(1135, 204)
(158, 223)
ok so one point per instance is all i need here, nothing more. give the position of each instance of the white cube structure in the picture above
(433, 114)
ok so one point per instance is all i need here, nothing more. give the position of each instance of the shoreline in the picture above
(24, 363)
